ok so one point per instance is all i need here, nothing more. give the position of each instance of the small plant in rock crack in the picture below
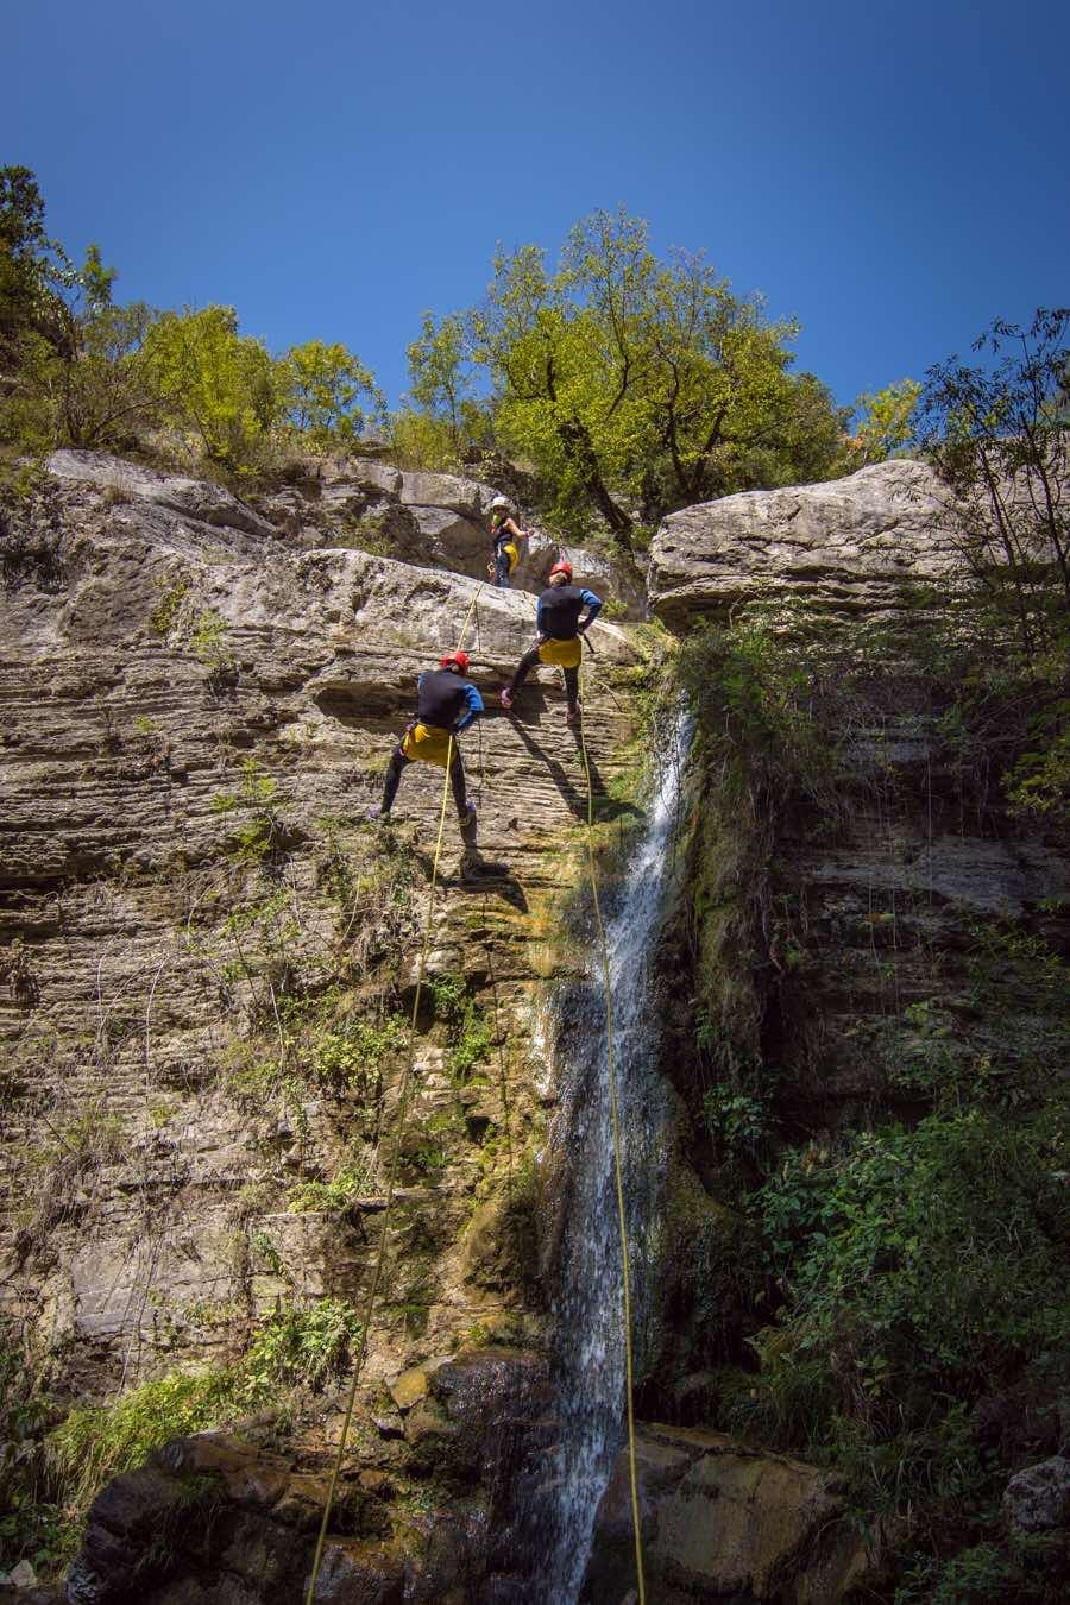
(736, 1119)
(302, 1347)
(260, 834)
(166, 612)
(354, 1179)
(372, 892)
(208, 640)
(468, 1031)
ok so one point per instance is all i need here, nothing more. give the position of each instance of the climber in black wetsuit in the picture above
(557, 620)
(446, 704)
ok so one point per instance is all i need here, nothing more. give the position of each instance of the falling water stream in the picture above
(589, 1358)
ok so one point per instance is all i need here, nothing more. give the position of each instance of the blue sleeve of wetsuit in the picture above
(538, 617)
(593, 604)
(475, 707)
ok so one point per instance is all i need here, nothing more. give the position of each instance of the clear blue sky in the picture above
(894, 175)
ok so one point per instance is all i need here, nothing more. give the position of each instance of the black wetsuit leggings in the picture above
(502, 570)
(398, 762)
(529, 662)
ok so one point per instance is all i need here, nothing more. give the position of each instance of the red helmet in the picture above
(455, 660)
(562, 568)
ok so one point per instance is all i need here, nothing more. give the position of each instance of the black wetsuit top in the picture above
(442, 697)
(559, 611)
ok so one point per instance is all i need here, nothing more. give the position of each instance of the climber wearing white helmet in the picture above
(506, 535)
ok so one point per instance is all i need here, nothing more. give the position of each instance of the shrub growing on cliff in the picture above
(997, 433)
(920, 1271)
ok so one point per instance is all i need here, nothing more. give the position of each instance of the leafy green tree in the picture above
(68, 355)
(447, 421)
(439, 374)
(324, 387)
(887, 417)
(30, 308)
(104, 395)
(997, 433)
(223, 385)
(637, 385)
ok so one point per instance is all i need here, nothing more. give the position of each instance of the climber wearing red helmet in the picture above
(557, 620)
(446, 704)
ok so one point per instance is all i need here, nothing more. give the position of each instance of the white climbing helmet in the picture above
(500, 503)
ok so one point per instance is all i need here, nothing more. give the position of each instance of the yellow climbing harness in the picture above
(618, 1177)
(428, 743)
(562, 654)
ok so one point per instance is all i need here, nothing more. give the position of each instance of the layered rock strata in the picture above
(855, 545)
(197, 702)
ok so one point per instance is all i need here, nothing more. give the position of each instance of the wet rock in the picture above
(722, 1521)
(356, 1573)
(1038, 1498)
(409, 1388)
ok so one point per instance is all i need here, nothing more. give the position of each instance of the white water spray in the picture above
(590, 1367)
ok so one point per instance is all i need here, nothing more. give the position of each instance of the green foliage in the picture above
(911, 1272)
(31, 1523)
(420, 441)
(165, 613)
(323, 387)
(221, 384)
(34, 318)
(736, 1120)
(301, 1348)
(353, 1179)
(755, 687)
(919, 1267)
(1038, 783)
(448, 994)
(208, 641)
(472, 1044)
(468, 1032)
(98, 1442)
(259, 832)
(442, 383)
(886, 424)
(1030, 1571)
(348, 1057)
(997, 434)
(633, 385)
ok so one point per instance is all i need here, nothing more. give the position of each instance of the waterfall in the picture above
(589, 1354)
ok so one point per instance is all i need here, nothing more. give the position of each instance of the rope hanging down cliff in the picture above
(400, 1114)
(618, 1176)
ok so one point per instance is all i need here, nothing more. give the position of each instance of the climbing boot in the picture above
(572, 717)
(506, 698)
(378, 816)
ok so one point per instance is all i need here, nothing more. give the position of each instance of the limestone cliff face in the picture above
(196, 707)
(852, 545)
(207, 957)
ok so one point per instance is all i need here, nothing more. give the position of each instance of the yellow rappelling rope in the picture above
(400, 1112)
(618, 1176)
